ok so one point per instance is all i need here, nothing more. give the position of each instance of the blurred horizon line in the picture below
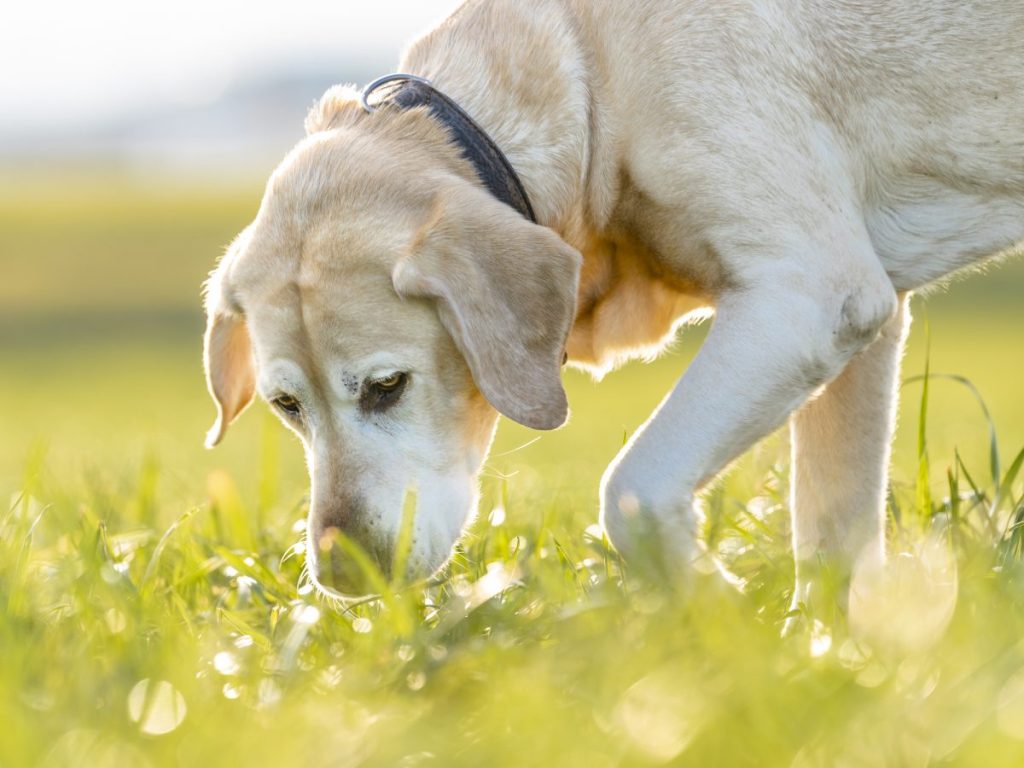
(243, 132)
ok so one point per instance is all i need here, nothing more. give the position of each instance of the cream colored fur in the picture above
(796, 168)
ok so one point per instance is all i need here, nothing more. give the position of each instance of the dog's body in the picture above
(798, 168)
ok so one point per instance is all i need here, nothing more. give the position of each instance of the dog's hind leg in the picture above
(841, 447)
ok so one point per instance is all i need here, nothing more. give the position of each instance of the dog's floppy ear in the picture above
(227, 357)
(506, 292)
(230, 374)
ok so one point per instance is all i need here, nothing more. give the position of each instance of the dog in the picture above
(796, 169)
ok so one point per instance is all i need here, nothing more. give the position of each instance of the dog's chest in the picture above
(627, 305)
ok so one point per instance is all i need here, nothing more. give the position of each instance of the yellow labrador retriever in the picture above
(796, 168)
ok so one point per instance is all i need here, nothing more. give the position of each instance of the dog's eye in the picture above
(381, 394)
(287, 405)
(394, 381)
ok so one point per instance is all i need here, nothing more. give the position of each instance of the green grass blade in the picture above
(1004, 489)
(403, 545)
(148, 582)
(923, 489)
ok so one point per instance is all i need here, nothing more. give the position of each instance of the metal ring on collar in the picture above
(369, 89)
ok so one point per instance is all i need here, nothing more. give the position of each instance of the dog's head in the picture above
(388, 308)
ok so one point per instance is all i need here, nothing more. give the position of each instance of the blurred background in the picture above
(135, 142)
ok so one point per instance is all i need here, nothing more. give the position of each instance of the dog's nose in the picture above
(348, 561)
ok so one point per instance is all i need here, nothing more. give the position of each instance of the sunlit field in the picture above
(152, 611)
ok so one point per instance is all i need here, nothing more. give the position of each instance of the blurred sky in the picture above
(74, 62)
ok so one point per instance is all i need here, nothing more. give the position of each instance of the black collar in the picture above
(493, 168)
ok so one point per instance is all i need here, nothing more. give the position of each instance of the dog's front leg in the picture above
(841, 448)
(773, 343)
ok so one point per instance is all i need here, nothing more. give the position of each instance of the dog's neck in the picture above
(521, 74)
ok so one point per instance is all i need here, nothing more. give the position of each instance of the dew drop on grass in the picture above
(873, 675)
(157, 707)
(852, 655)
(497, 516)
(306, 614)
(461, 586)
(821, 640)
(416, 681)
(243, 641)
(226, 663)
(108, 574)
(231, 691)
(761, 507)
(497, 579)
(362, 625)
(662, 713)
(331, 676)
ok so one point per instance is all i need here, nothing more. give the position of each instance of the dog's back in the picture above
(912, 109)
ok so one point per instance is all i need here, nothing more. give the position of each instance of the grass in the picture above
(536, 649)
(153, 611)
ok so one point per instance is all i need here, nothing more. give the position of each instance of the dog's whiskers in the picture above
(527, 444)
